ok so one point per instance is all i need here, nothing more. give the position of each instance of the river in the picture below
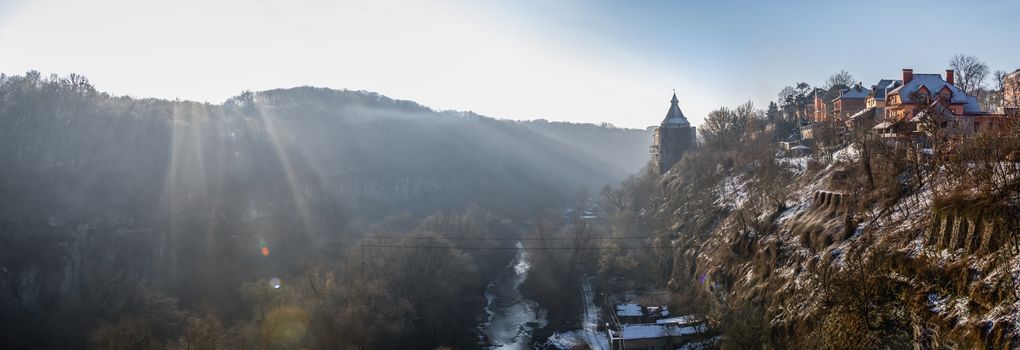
(510, 318)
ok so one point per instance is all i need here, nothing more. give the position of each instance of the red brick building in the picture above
(1011, 93)
(849, 102)
(956, 112)
(821, 108)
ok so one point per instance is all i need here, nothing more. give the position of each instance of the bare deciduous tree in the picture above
(725, 126)
(1000, 80)
(840, 79)
(971, 73)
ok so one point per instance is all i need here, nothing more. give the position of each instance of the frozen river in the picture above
(511, 319)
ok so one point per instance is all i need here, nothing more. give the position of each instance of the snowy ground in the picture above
(589, 333)
(732, 192)
(590, 319)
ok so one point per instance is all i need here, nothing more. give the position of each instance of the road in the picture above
(590, 319)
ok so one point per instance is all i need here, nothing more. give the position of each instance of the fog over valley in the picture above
(124, 194)
(509, 175)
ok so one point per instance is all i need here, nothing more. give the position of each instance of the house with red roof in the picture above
(910, 104)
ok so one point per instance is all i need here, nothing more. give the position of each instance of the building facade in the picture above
(674, 137)
(925, 96)
(849, 102)
(821, 108)
(1011, 93)
(874, 106)
(876, 97)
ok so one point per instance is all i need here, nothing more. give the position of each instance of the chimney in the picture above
(950, 77)
(908, 75)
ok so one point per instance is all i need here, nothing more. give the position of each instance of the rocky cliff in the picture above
(835, 264)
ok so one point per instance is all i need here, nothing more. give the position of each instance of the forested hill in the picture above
(332, 158)
(130, 221)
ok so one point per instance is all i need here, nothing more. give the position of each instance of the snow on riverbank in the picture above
(589, 333)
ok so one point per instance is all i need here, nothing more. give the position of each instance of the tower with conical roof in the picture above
(674, 137)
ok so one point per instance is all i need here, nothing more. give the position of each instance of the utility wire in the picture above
(414, 237)
(370, 240)
(407, 246)
(461, 238)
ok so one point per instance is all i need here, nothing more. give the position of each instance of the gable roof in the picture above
(933, 83)
(971, 106)
(857, 92)
(674, 116)
(879, 90)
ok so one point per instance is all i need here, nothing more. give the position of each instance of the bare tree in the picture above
(580, 236)
(971, 73)
(615, 198)
(840, 79)
(1000, 80)
(725, 126)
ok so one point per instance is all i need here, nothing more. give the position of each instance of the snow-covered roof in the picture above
(662, 311)
(883, 125)
(857, 92)
(862, 113)
(884, 86)
(801, 148)
(971, 106)
(934, 83)
(674, 116)
(629, 310)
(656, 330)
(681, 320)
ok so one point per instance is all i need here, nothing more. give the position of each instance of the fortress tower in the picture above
(673, 138)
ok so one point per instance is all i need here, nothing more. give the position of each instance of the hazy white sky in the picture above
(562, 60)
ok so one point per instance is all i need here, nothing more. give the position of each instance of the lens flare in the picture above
(286, 326)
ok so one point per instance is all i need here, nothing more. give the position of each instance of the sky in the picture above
(580, 61)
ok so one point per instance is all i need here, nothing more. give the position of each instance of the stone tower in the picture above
(673, 138)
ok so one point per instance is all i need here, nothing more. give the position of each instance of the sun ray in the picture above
(268, 119)
(168, 246)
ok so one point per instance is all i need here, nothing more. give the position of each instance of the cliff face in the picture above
(835, 265)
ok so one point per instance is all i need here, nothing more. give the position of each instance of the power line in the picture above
(414, 237)
(464, 238)
(413, 246)
(369, 240)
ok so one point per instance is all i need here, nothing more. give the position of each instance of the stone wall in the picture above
(974, 228)
(824, 223)
(672, 143)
